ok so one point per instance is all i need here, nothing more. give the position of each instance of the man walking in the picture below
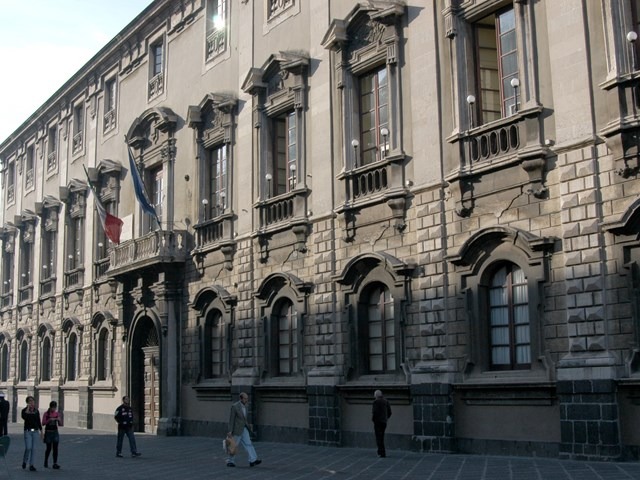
(241, 429)
(124, 417)
(5, 406)
(380, 413)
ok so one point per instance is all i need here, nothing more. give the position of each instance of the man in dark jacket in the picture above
(124, 417)
(4, 414)
(240, 429)
(380, 413)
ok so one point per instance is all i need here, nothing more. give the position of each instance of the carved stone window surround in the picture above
(280, 86)
(214, 123)
(368, 38)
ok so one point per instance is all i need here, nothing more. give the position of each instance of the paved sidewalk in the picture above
(91, 455)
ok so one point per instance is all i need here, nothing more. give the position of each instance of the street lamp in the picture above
(268, 177)
(515, 83)
(355, 144)
(631, 38)
(471, 100)
(384, 131)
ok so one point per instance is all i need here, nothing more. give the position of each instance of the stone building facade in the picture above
(435, 198)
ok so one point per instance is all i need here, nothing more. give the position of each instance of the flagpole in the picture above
(144, 188)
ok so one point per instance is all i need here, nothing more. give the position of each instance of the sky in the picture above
(44, 42)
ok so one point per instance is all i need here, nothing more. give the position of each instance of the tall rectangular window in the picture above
(11, 182)
(47, 275)
(7, 279)
(52, 151)
(285, 154)
(156, 57)
(496, 65)
(381, 331)
(509, 319)
(217, 182)
(110, 103)
(374, 115)
(29, 168)
(216, 28)
(26, 267)
(156, 189)
(78, 128)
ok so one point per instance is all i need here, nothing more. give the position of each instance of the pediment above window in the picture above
(8, 235)
(364, 27)
(393, 270)
(213, 118)
(629, 222)
(150, 129)
(282, 75)
(49, 210)
(26, 222)
(276, 282)
(484, 244)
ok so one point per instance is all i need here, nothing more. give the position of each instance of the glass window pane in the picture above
(375, 363)
(499, 336)
(523, 355)
(522, 335)
(507, 20)
(500, 356)
(375, 346)
(508, 43)
(375, 330)
(509, 64)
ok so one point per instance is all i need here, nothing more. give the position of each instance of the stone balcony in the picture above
(159, 248)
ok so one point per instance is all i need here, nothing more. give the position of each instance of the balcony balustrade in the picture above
(154, 248)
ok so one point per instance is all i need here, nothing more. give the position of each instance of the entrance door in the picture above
(151, 389)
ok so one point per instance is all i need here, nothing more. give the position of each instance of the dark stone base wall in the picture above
(198, 428)
(324, 416)
(507, 447)
(589, 420)
(433, 426)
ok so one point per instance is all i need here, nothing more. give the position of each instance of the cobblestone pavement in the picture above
(91, 455)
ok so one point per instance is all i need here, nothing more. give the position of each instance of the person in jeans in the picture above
(240, 429)
(32, 431)
(124, 417)
(52, 419)
(380, 413)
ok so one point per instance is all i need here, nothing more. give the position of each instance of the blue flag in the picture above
(138, 186)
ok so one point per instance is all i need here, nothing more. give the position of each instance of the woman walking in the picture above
(32, 429)
(52, 419)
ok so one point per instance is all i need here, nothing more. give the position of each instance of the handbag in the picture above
(229, 445)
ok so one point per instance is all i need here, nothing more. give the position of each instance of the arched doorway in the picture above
(145, 375)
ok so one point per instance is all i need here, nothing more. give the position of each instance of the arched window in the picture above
(4, 366)
(509, 329)
(215, 349)
(285, 325)
(24, 361)
(72, 350)
(45, 372)
(377, 330)
(104, 354)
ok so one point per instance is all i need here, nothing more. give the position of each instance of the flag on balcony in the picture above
(138, 187)
(111, 224)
